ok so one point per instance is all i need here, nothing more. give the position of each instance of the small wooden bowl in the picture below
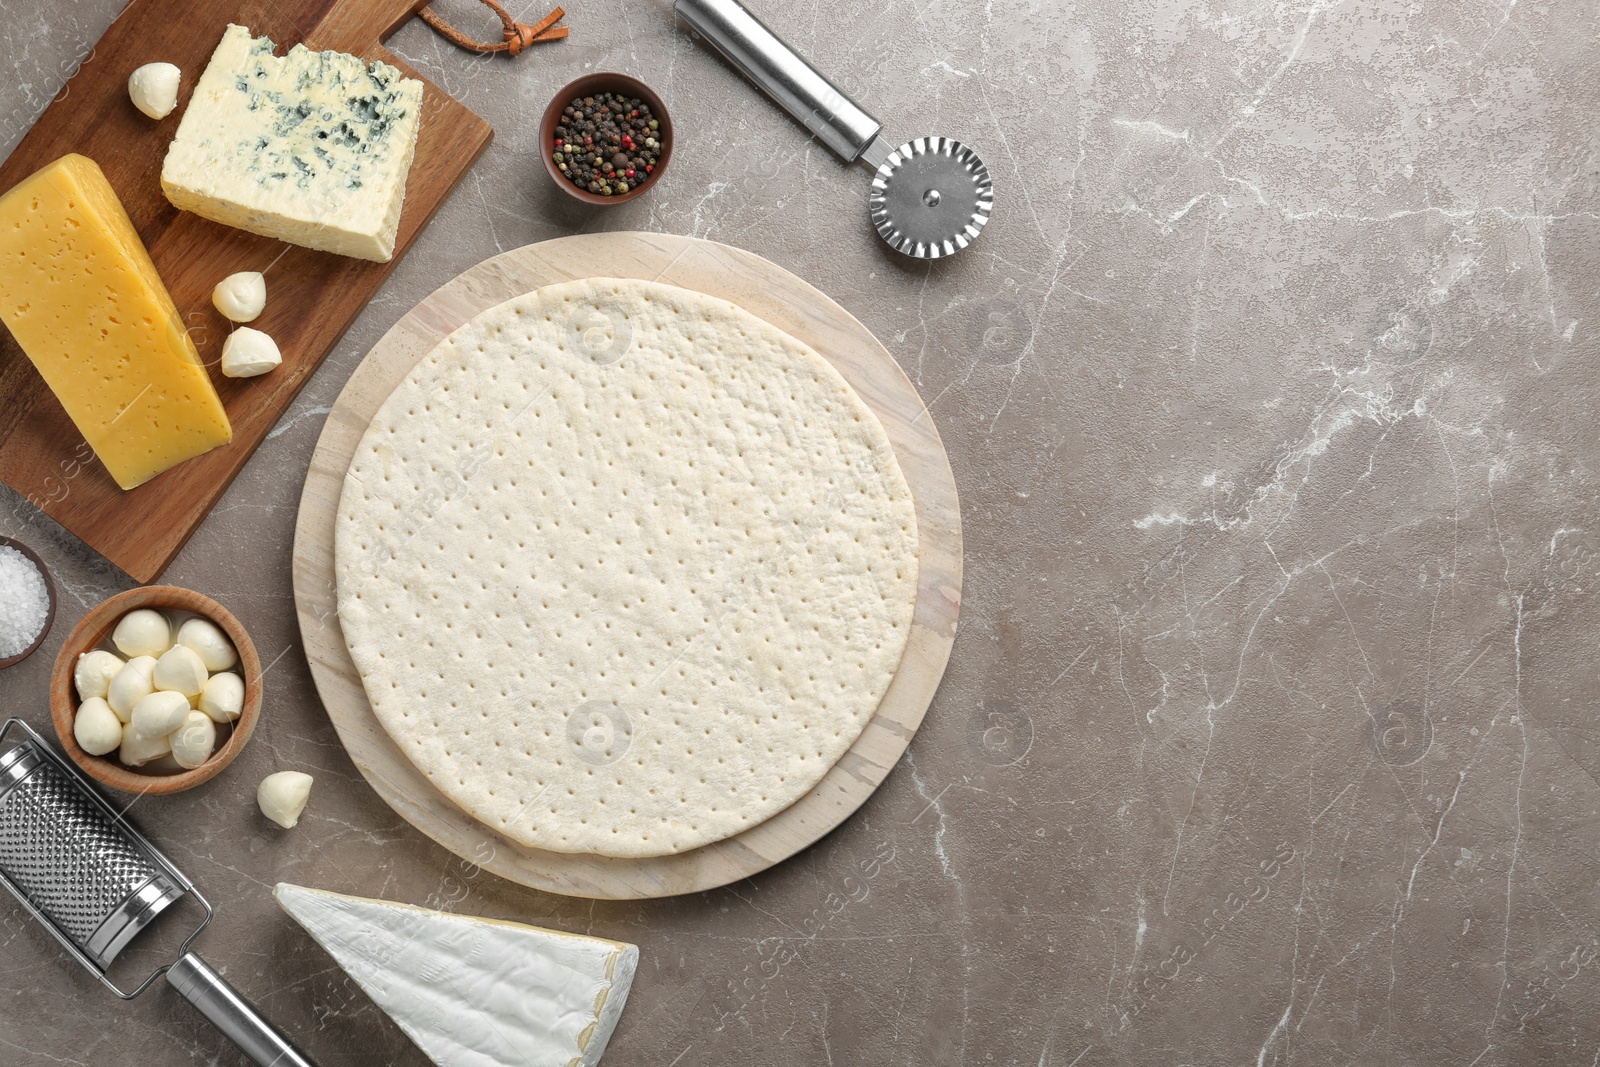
(93, 631)
(588, 85)
(50, 613)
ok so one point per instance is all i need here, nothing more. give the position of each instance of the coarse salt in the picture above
(24, 601)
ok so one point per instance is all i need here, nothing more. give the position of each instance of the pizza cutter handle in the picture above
(795, 84)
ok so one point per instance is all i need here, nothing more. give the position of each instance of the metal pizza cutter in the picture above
(930, 197)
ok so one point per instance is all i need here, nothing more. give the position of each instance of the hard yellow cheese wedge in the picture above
(80, 295)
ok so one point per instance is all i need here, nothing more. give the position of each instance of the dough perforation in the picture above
(689, 535)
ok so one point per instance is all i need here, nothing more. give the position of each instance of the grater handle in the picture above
(232, 1014)
(795, 84)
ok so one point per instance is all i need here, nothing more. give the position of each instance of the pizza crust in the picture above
(624, 569)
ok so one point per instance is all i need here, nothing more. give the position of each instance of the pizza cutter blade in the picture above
(930, 197)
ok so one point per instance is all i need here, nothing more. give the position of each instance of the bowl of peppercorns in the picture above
(606, 138)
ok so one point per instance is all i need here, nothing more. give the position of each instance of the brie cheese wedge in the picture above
(474, 992)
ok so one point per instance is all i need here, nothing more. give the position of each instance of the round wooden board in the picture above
(764, 289)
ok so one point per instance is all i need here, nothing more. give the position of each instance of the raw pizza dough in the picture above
(624, 569)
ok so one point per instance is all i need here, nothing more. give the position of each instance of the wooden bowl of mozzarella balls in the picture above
(156, 690)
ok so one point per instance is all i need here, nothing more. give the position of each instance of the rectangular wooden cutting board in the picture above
(312, 297)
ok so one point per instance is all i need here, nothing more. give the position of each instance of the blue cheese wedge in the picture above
(311, 147)
(474, 992)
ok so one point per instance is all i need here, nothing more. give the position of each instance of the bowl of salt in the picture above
(27, 602)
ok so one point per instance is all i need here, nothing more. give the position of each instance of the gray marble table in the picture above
(1271, 392)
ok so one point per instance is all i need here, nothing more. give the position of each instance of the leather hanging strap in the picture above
(517, 35)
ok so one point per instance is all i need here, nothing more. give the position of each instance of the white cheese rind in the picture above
(312, 148)
(474, 992)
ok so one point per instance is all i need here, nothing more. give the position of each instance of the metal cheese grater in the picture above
(930, 197)
(94, 882)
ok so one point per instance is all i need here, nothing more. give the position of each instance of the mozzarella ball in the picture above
(209, 643)
(193, 741)
(96, 727)
(282, 796)
(180, 670)
(136, 750)
(159, 714)
(241, 297)
(153, 88)
(247, 353)
(93, 672)
(223, 697)
(132, 684)
(142, 633)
